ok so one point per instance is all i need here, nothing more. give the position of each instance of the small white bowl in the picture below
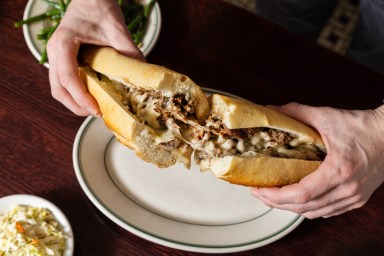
(9, 202)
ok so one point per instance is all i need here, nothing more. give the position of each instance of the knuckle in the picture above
(304, 197)
(266, 202)
(80, 112)
(310, 215)
(81, 95)
(269, 204)
(55, 40)
(359, 204)
(59, 40)
(56, 93)
(301, 209)
(350, 165)
(51, 42)
(65, 81)
(82, 102)
(347, 169)
(294, 104)
(354, 189)
(360, 201)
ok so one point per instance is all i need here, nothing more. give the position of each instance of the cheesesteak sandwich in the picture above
(165, 117)
(248, 144)
(140, 102)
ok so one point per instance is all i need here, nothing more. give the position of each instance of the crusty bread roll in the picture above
(120, 68)
(165, 117)
(127, 129)
(261, 170)
(119, 71)
(254, 115)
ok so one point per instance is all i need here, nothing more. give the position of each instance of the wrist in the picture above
(379, 118)
(381, 109)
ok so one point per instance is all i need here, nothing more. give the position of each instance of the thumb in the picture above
(300, 112)
(129, 49)
(125, 45)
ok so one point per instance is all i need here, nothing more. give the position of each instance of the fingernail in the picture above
(94, 112)
(98, 114)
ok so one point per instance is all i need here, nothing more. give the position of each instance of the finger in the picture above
(70, 80)
(338, 200)
(300, 112)
(123, 43)
(335, 213)
(335, 209)
(265, 201)
(61, 94)
(352, 196)
(331, 197)
(339, 207)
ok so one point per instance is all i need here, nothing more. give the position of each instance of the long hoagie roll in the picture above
(252, 145)
(165, 117)
(137, 100)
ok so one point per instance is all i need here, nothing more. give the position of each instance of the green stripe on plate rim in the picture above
(142, 206)
(157, 18)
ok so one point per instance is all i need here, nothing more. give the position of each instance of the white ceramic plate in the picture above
(174, 207)
(8, 202)
(36, 7)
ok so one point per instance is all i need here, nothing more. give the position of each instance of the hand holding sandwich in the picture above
(165, 117)
(351, 172)
(97, 22)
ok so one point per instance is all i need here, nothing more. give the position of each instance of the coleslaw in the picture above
(31, 231)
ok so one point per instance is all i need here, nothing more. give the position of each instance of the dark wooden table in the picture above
(219, 46)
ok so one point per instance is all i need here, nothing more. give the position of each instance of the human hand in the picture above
(352, 170)
(98, 22)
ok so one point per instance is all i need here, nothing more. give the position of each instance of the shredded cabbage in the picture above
(31, 231)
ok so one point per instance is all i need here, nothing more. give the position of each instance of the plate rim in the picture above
(150, 236)
(25, 199)
(147, 49)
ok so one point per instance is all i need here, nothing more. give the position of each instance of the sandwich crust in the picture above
(237, 113)
(127, 128)
(120, 68)
(261, 171)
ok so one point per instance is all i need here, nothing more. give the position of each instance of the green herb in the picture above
(52, 16)
(135, 17)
